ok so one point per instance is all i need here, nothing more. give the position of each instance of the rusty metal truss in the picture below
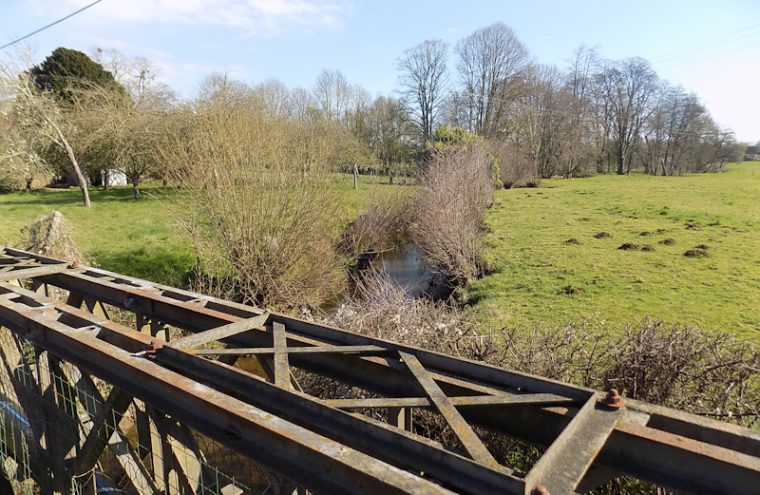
(330, 445)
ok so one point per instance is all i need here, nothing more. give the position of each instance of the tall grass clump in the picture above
(456, 188)
(258, 204)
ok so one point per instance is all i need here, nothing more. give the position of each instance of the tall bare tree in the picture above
(579, 82)
(422, 77)
(628, 88)
(332, 93)
(491, 61)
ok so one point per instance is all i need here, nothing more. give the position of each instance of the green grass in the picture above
(534, 269)
(525, 246)
(137, 238)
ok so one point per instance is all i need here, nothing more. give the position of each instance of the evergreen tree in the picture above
(65, 71)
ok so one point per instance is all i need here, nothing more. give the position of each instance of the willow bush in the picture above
(259, 204)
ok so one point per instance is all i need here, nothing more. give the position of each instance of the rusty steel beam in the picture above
(364, 350)
(304, 456)
(462, 429)
(386, 444)
(220, 333)
(562, 467)
(674, 449)
(281, 362)
(37, 271)
(459, 401)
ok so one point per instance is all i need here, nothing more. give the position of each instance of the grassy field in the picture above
(541, 279)
(538, 278)
(138, 238)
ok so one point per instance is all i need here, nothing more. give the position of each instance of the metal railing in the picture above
(107, 379)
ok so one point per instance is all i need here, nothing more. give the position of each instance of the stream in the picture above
(405, 267)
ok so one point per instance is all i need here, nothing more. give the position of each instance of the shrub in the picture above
(259, 204)
(515, 169)
(380, 228)
(449, 214)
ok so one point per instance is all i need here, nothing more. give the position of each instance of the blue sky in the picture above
(709, 47)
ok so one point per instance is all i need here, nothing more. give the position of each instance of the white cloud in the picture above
(254, 17)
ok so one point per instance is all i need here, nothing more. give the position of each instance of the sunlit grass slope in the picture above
(540, 278)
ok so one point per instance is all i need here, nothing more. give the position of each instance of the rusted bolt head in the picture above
(539, 490)
(613, 400)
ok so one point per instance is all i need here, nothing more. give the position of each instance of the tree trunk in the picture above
(74, 163)
(136, 189)
(29, 184)
(619, 158)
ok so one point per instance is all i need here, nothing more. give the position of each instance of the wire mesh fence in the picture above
(64, 431)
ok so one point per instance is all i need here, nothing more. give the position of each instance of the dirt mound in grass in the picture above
(630, 246)
(602, 235)
(573, 240)
(648, 248)
(703, 247)
(668, 242)
(696, 253)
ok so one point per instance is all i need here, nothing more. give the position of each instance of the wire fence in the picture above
(63, 431)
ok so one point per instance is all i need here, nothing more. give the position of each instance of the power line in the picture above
(50, 25)
(714, 41)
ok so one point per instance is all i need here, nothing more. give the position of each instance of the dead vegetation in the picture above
(704, 373)
(382, 227)
(449, 221)
(514, 168)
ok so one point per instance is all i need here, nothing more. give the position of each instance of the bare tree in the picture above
(138, 75)
(579, 82)
(422, 77)
(127, 133)
(491, 61)
(39, 121)
(541, 121)
(332, 93)
(627, 88)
